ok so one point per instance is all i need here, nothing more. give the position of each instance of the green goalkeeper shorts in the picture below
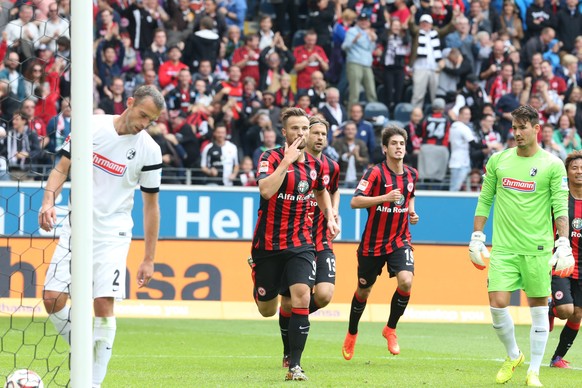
(510, 272)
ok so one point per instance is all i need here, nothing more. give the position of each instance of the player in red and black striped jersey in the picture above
(567, 292)
(325, 258)
(387, 191)
(283, 251)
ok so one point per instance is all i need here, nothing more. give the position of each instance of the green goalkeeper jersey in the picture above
(527, 190)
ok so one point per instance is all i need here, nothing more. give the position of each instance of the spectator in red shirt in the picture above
(555, 83)
(247, 58)
(168, 73)
(501, 85)
(308, 59)
(402, 12)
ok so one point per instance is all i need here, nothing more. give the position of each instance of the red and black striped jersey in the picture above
(575, 218)
(283, 219)
(331, 182)
(435, 130)
(387, 226)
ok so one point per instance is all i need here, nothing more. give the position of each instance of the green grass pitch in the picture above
(207, 353)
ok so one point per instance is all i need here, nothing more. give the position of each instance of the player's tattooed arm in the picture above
(562, 226)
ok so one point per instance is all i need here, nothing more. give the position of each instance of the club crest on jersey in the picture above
(108, 166)
(533, 171)
(517, 185)
(302, 187)
(399, 201)
(326, 179)
(313, 174)
(410, 187)
(130, 154)
(577, 223)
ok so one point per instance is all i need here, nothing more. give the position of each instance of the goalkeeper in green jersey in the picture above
(528, 185)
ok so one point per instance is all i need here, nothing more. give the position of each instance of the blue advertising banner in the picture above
(204, 212)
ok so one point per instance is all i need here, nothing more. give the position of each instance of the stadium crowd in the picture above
(447, 71)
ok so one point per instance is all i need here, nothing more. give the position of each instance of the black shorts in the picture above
(325, 267)
(275, 271)
(370, 267)
(566, 291)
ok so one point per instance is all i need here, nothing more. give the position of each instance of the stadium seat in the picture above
(402, 111)
(427, 109)
(381, 92)
(375, 109)
(298, 38)
(397, 123)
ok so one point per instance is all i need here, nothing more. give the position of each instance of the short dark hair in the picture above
(517, 77)
(23, 115)
(465, 107)
(291, 112)
(313, 120)
(526, 113)
(390, 131)
(572, 157)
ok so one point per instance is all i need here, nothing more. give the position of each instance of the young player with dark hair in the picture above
(387, 190)
(528, 184)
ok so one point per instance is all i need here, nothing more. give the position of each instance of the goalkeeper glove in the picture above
(478, 250)
(562, 261)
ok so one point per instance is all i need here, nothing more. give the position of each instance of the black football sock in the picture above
(399, 302)
(356, 311)
(284, 318)
(313, 307)
(298, 331)
(567, 337)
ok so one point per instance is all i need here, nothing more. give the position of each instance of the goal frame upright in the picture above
(81, 193)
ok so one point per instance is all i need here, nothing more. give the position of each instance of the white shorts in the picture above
(109, 268)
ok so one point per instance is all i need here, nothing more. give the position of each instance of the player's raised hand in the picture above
(478, 250)
(47, 217)
(145, 273)
(414, 218)
(292, 152)
(562, 261)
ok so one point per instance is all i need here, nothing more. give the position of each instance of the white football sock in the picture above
(103, 337)
(503, 325)
(540, 330)
(62, 322)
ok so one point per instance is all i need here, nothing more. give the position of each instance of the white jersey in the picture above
(460, 135)
(120, 163)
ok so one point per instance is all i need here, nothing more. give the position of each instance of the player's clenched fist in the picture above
(478, 250)
(394, 195)
(562, 261)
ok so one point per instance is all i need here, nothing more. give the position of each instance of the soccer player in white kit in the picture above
(124, 156)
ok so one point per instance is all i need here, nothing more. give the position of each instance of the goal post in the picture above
(82, 187)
